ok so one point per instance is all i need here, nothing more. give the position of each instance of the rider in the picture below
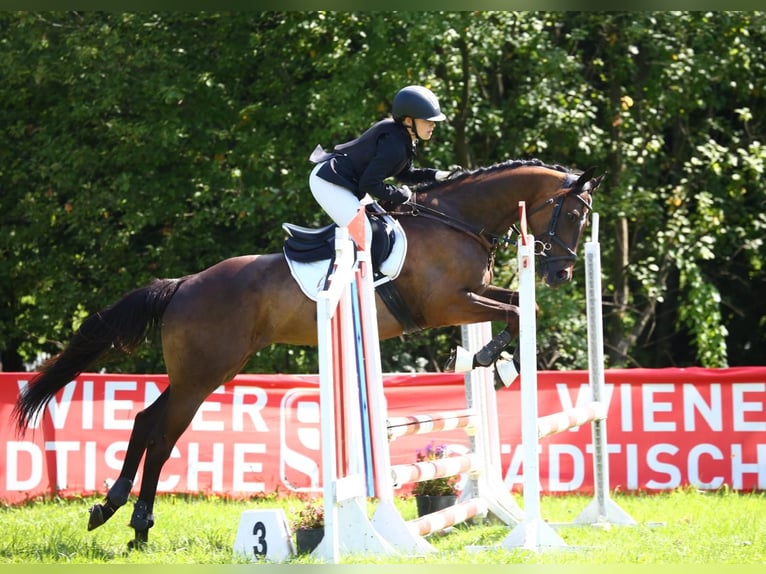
(354, 173)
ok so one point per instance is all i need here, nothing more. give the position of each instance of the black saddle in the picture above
(307, 244)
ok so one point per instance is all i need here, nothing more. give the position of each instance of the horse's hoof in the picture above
(136, 545)
(96, 518)
(140, 541)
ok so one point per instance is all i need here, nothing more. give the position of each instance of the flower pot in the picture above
(427, 503)
(306, 539)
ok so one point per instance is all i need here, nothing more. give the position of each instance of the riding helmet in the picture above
(417, 102)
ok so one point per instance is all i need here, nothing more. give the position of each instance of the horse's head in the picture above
(558, 225)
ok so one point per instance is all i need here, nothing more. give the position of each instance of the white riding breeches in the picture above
(338, 202)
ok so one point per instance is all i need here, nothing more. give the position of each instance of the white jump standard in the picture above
(357, 465)
(533, 533)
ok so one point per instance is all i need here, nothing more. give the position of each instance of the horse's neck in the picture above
(491, 200)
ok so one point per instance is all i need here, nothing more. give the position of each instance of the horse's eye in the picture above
(574, 216)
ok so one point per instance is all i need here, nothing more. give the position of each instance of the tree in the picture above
(144, 144)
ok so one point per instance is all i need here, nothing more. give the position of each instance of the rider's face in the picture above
(422, 129)
(425, 128)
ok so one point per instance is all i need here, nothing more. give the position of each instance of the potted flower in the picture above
(436, 493)
(308, 526)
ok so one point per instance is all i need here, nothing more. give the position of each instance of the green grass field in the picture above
(679, 527)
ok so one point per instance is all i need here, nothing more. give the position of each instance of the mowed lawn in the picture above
(680, 527)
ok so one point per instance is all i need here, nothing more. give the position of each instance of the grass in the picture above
(679, 527)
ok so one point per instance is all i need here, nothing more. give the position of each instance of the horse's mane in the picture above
(505, 165)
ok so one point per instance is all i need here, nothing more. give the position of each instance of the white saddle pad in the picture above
(311, 276)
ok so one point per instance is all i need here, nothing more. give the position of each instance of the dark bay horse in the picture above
(211, 322)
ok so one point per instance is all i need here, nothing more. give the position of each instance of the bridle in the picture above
(544, 241)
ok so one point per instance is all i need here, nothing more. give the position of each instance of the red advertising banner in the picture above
(261, 433)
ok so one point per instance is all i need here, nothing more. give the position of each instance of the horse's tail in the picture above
(123, 326)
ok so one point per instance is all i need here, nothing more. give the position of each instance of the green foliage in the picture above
(156, 144)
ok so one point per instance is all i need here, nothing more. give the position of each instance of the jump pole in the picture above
(602, 509)
(352, 382)
(485, 492)
(481, 395)
(344, 476)
(532, 533)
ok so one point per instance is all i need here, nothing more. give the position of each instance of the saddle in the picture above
(310, 254)
(308, 244)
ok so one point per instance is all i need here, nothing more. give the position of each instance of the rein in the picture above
(492, 241)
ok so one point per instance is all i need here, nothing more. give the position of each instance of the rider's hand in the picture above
(408, 192)
(442, 175)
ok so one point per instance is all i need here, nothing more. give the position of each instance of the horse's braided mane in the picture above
(508, 164)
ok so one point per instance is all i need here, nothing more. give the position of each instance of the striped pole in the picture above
(437, 468)
(447, 517)
(570, 418)
(434, 422)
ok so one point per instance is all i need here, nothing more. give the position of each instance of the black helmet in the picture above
(417, 102)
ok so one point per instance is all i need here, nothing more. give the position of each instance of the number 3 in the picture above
(261, 548)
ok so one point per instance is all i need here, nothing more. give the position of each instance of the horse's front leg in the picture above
(494, 304)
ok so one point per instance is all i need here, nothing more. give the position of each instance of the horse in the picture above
(212, 321)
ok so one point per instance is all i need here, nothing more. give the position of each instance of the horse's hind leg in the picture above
(160, 442)
(120, 491)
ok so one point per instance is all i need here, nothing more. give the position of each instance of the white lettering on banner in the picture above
(741, 406)
(90, 465)
(87, 405)
(171, 482)
(515, 473)
(112, 405)
(746, 415)
(631, 452)
(653, 463)
(555, 483)
(199, 423)
(740, 468)
(115, 453)
(567, 466)
(13, 452)
(243, 467)
(584, 395)
(626, 411)
(62, 448)
(151, 393)
(694, 467)
(59, 410)
(711, 412)
(308, 413)
(650, 407)
(240, 408)
(25, 466)
(300, 445)
(196, 467)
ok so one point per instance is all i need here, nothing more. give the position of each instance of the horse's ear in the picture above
(586, 176)
(597, 181)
